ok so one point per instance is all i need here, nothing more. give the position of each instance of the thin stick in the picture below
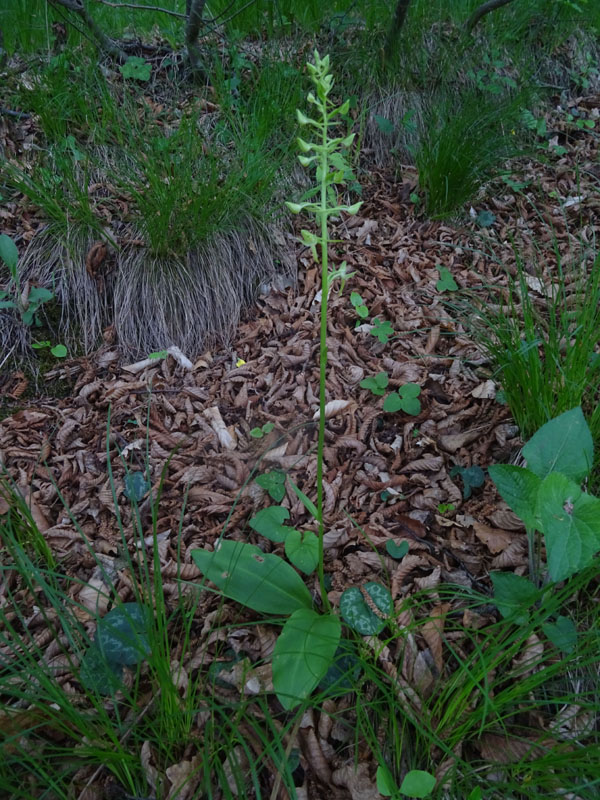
(143, 8)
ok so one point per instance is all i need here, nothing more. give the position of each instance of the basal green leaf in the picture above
(386, 785)
(304, 651)
(562, 445)
(261, 581)
(98, 674)
(397, 551)
(136, 486)
(570, 524)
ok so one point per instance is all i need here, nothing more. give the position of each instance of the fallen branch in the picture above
(143, 8)
(104, 42)
(482, 10)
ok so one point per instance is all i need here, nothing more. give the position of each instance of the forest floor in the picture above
(389, 476)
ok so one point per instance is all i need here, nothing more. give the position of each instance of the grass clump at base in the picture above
(541, 335)
(466, 141)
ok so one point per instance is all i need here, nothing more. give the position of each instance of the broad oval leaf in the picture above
(98, 674)
(417, 783)
(302, 549)
(357, 612)
(136, 486)
(8, 252)
(518, 487)
(570, 524)
(392, 403)
(261, 581)
(122, 635)
(562, 445)
(304, 651)
(513, 596)
(562, 633)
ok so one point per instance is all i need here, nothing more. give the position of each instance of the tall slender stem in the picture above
(323, 351)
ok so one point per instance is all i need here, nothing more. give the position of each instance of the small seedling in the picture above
(136, 68)
(58, 351)
(258, 433)
(385, 125)
(158, 354)
(472, 478)
(359, 305)
(274, 483)
(445, 508)
(376, 384)
(485, 219)
(446, 282)
(382, 330)
(11, 297)
(405, 399)
(397, 551)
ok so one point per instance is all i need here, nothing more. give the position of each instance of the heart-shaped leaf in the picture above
(122, 635)
(357, 610)
(519, 488)
(446, 282)
(302, 549)
(98, 674)
(136, 486)
(397, 551)
(269, 523)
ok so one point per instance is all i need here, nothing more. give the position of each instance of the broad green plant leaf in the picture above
(98, 674)
(446, 282)
(9, 253)
(397, 551)
(404, 399)
(384, 125)
(475, 794)
(302, 549)
(261, 581)
(59, 351)
(304, 651)
(417, 783)
(274, 483)
(513, 596)
(344, 670)
(357, 612)
(136, 68)
(122, 635)
(269, 523)
(570, 524)
(485, 219)
(562, 445)
(136, 486)
(518, 487)
(376, 383)
(562, 633)
(472, 477)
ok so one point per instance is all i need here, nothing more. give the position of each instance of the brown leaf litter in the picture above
(188, 421)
